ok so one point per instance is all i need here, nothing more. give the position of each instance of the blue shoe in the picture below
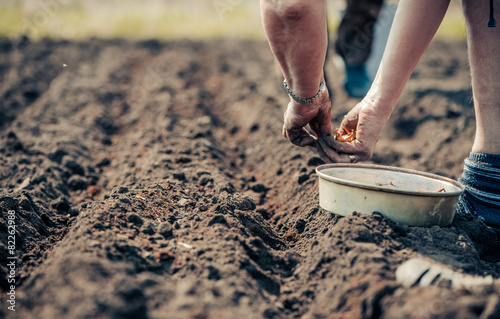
(357, 82)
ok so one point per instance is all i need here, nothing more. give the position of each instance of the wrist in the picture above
(301, 100)
(381, 102)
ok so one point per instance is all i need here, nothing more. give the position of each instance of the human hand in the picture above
(367, 123)
(318, 115)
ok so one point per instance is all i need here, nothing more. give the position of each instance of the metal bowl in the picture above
(402, 195)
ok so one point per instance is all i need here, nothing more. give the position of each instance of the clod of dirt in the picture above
(217, 219)
(241, 202)
(149, 228)
(135, 219)
(303, 178)
(74, 167)
(76, 182)
(315, 161)
(165, 229)
(259, 188)
(61, 204)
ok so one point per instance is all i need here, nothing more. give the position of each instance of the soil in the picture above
(150, 180)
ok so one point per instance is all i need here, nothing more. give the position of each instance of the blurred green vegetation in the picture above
(195, 19)
(131, 19)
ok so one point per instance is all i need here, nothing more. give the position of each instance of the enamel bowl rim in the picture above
(398, 170)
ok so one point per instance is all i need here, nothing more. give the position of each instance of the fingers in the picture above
(329, 154)
(350, 120)
(299, 137)
(321, 124)
(344, 152)
(343, 147)
(321, 153)
(298, 116)
(322, 128)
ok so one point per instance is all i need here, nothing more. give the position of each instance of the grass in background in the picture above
(131, 19)
(195, 19)
(11, 16)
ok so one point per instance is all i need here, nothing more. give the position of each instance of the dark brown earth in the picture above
(150, 180)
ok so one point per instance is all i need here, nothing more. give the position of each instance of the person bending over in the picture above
(414, 26)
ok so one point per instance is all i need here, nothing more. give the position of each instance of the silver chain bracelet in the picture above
(300, 100)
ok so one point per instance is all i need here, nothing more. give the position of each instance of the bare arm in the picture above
(413, 28)
(297, 34)
(415, 24)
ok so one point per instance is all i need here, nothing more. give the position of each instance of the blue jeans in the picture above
(481, 198)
